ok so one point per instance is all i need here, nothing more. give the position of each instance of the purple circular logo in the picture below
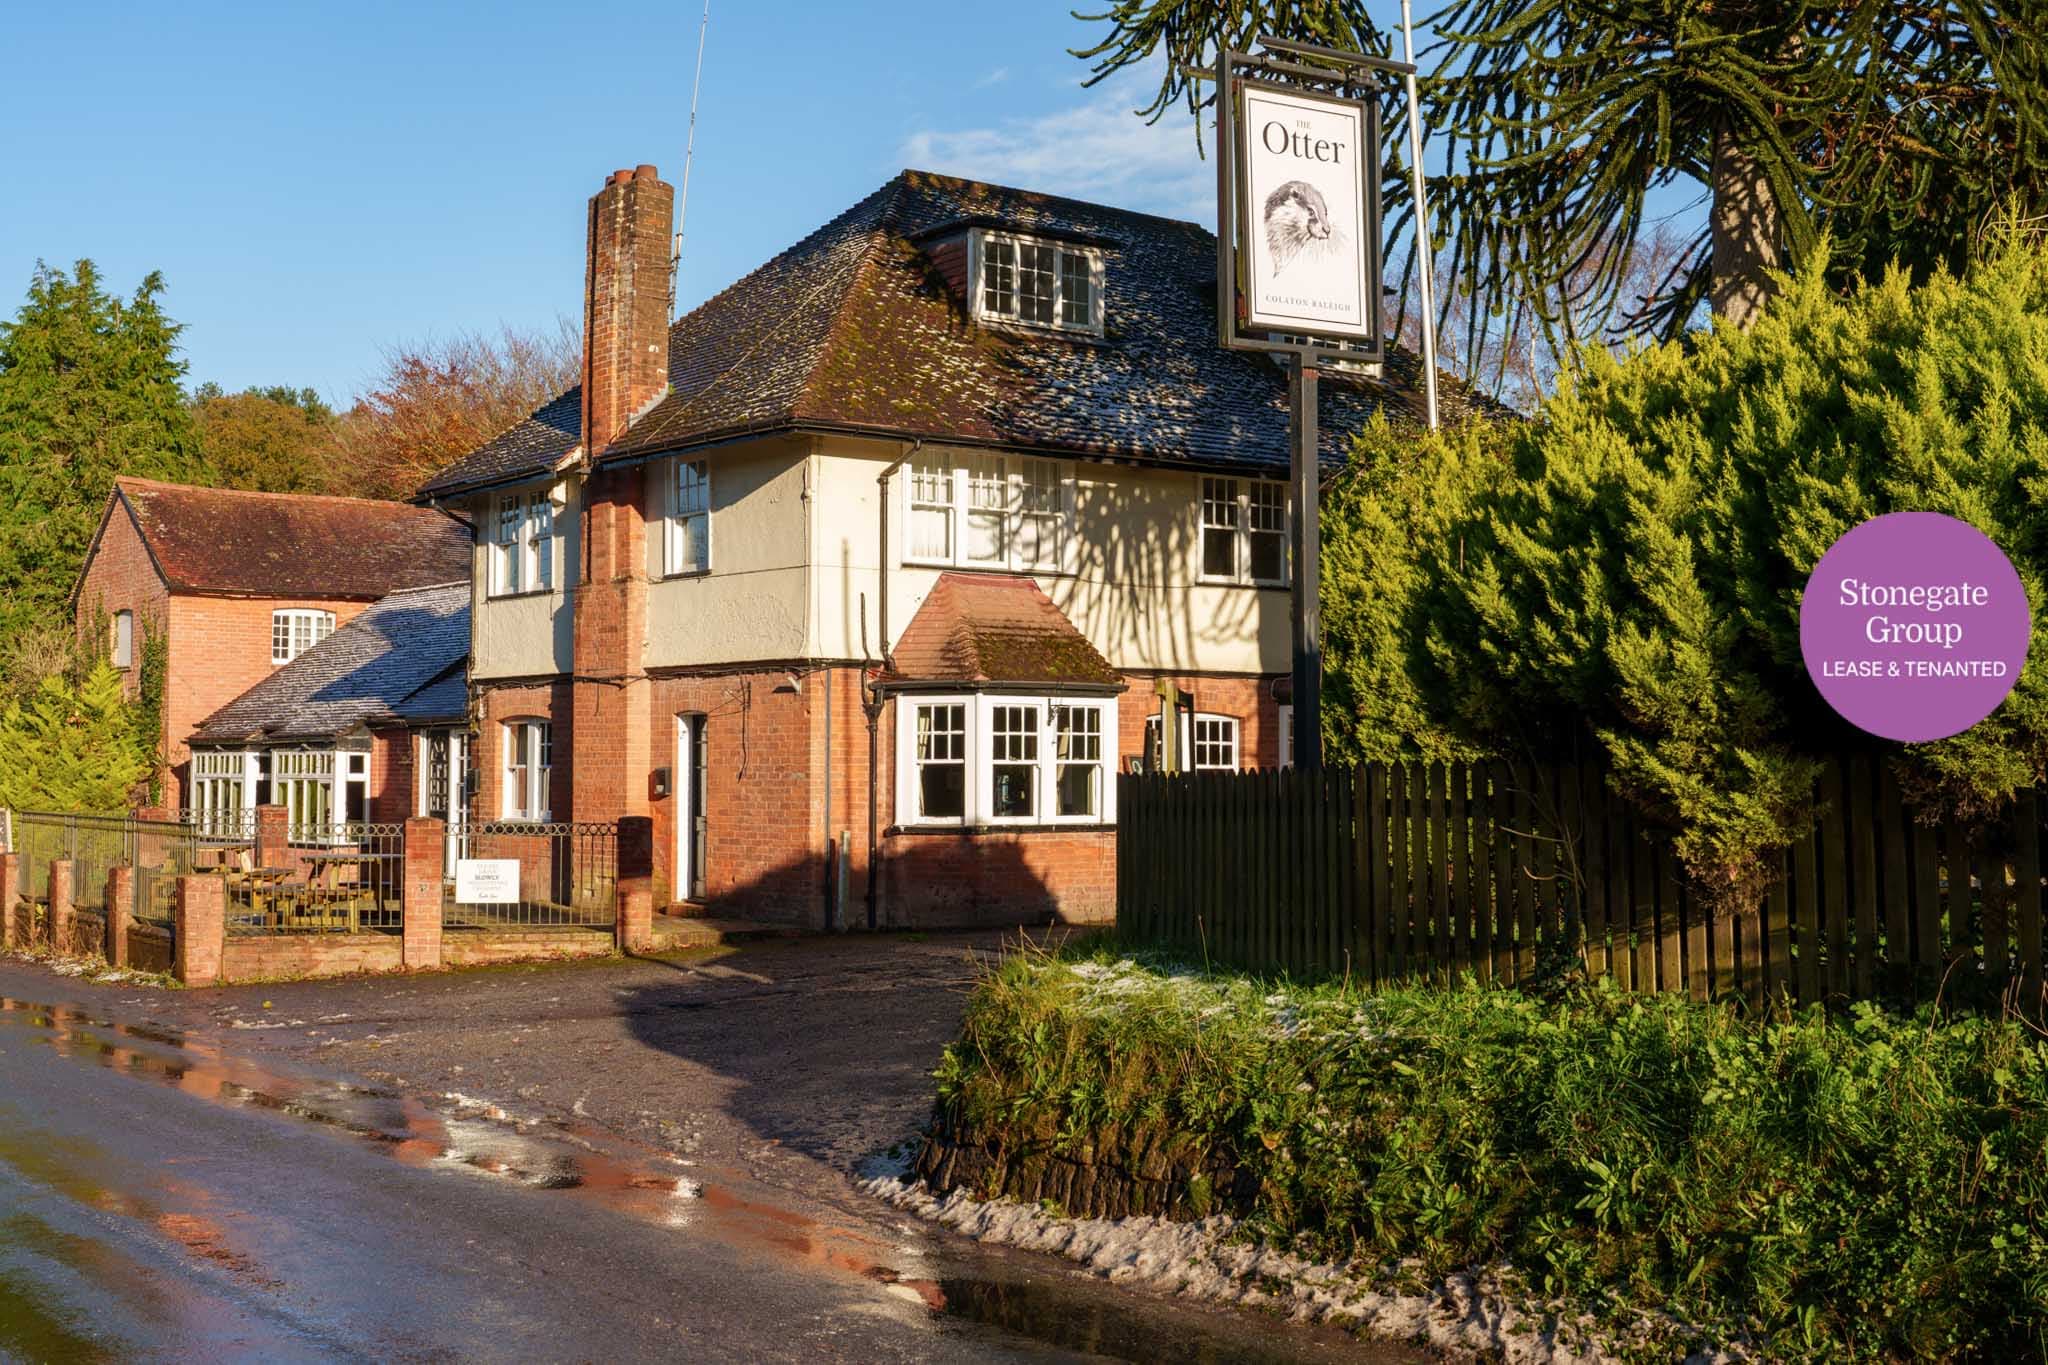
(1914, 626)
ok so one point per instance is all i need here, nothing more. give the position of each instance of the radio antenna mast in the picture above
(675, 250)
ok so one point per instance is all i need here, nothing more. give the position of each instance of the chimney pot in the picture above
(643, 171)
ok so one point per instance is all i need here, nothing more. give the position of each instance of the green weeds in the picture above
(1871, 1184)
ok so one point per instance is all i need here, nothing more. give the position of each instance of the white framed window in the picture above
(990, 511)
(1286, 713)
(685, 517)
(940, 754)
(529, 757)
(1037, 283)
(931, 509)
(1208, 744)
(223, 796)
(997, 759)
(121, 639)
(302, 781)
(523, 544)
(1244, 531)
(294, 632)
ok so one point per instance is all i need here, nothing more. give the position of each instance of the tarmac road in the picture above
(173, 1186)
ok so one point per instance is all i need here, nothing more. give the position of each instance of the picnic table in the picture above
(324, 876)
(225, 852)
(261, 885)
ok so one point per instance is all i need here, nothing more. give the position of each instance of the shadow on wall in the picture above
(945, 881)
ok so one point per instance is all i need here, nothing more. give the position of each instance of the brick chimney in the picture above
(625, 367)
(625, 302)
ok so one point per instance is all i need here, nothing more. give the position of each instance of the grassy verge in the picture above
(1872, 1185)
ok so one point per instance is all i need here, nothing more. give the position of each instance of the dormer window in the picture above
(1037, 283)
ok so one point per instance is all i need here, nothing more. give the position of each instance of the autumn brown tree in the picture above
(436, 401)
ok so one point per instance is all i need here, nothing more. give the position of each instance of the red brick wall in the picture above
(764, 836)
(219, 648)
(120, 577)
(548, 701)
(769, 773)
(1248, 699)
(391, 775)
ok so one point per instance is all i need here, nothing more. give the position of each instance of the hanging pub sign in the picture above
(1298, 210)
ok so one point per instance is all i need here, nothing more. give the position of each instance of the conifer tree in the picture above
(73, 746)
(89, 389)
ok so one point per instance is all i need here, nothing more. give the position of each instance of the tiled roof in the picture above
(996, 628)
(537, 443)
(856, 328)
(402, 659)
(291, 544)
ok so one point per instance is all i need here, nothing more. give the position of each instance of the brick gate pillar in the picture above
(273, 837)
(424, 850)
(636, 884)
(120, 909)
(10, 896)
(202, 929)
(60, 905)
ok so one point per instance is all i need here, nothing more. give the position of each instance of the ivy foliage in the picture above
(1692, 1177)
(75, 745)
(1627, 568)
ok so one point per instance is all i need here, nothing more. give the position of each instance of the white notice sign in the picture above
(486, 881)
(1305, 245)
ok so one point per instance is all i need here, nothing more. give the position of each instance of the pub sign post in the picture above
(1298, 269)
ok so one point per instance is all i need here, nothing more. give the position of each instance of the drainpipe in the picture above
(871, 696)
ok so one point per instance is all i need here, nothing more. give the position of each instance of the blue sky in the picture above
(318, 183)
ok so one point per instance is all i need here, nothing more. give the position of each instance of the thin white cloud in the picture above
(1097, 150)
(995, 77)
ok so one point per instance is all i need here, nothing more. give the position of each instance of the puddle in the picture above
(469, 1139)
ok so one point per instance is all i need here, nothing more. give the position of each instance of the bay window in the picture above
(523, 544)
(294, 632)
(994, 759)
(987, 511)
(1244, 531)
(529, 758)
(685, 503)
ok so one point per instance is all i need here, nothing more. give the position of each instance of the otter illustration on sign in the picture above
(1298, 222)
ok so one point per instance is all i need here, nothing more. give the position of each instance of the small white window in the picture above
(992, 759)
(1038, 283)
(523, 544)
(292, 633)
(931, 509)
(222, 794)
(529, 758)
(1286, 736)
(686, 523)
(302, 781)
(1244, 531)
(122, 641)
(1210, 744)
(1014, 511)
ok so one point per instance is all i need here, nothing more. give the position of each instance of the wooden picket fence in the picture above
(1512, 871)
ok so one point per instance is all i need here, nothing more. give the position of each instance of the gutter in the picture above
(871, 694)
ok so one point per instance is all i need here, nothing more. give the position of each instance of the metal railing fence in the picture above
(343, 877)
(568, 875)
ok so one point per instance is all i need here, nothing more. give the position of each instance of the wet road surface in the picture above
(165, 1195)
